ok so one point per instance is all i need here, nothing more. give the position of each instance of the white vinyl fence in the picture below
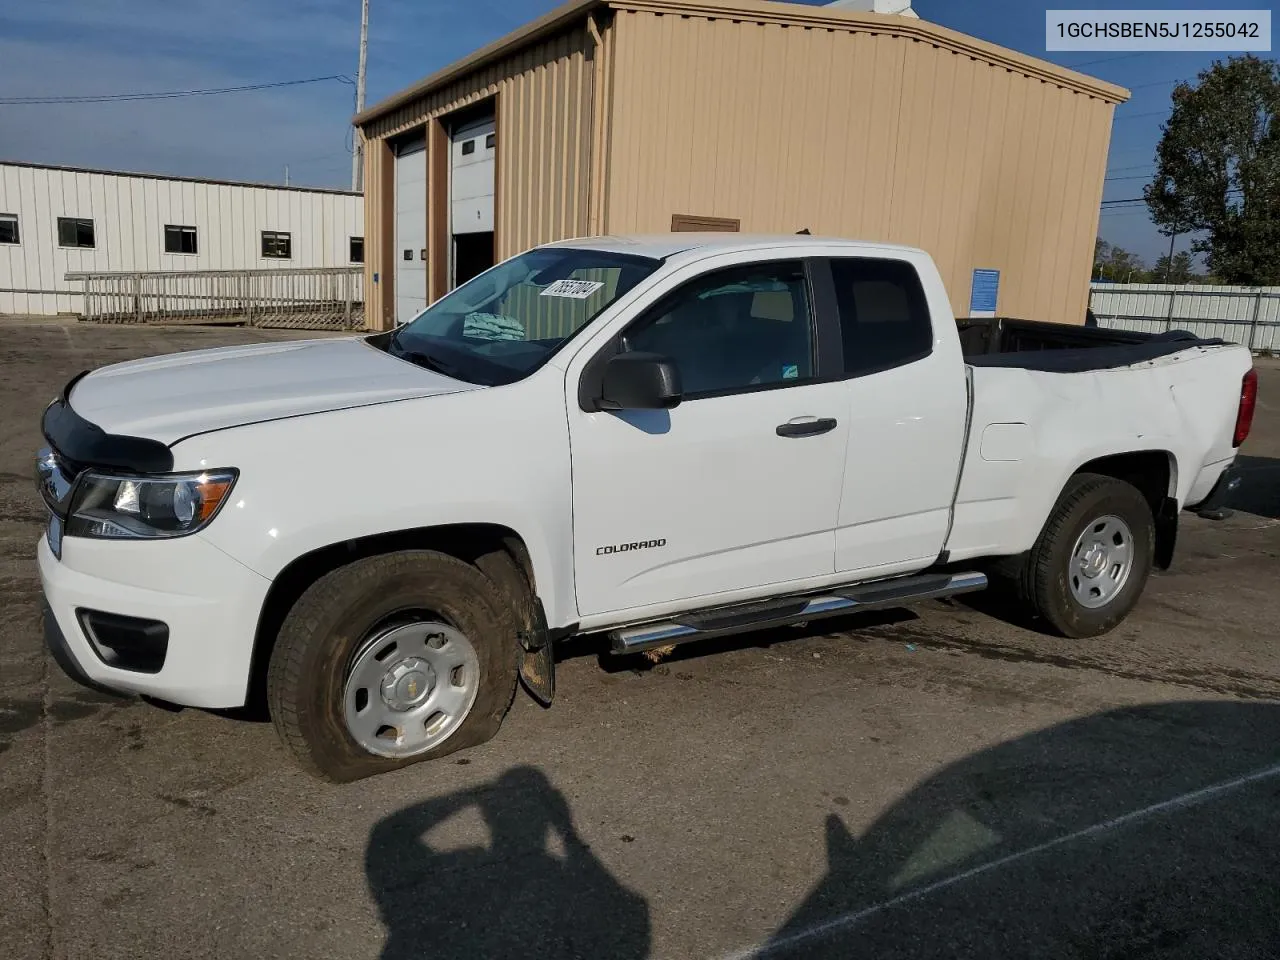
(1247, 315)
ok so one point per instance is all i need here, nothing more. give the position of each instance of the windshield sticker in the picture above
(572, 289)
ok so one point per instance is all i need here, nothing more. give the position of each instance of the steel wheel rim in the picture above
(1101, 562)
(409, 688)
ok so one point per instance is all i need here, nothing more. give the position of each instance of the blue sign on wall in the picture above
(985, 293)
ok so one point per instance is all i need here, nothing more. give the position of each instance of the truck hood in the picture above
(170, 397)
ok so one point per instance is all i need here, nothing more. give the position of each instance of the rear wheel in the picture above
(392, 660)
(1092, 560)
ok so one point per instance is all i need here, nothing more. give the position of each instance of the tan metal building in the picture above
(624, 116)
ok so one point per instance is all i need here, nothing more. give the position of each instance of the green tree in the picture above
(1116, 265)
(1218, 169)
(1101, 249)
(1182, 269)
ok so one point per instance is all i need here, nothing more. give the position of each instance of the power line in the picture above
(1134, 211)
(1158, 83)
(1117, 203)
(167, 94)
(1138, 116)
(1123, 56)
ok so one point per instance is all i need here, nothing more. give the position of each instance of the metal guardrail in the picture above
(324, 298)
(1244, 315)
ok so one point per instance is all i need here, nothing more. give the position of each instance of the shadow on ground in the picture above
(1259, 491)
(1141, 832)
(1096, 838)
(514, 898)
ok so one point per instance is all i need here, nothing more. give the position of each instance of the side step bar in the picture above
(718, 621)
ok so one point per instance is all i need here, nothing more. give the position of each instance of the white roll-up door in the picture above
(471, 182)
(411, 229)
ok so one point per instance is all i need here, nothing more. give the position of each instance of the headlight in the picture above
(140, 508)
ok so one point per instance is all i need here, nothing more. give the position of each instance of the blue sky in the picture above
(68, 47)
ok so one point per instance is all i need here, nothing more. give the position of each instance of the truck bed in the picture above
(1064, 348)
(1046, 399)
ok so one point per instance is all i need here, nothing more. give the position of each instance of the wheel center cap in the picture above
(1094, 561)
(408, 683)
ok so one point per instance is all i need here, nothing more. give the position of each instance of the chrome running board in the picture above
(740, 618)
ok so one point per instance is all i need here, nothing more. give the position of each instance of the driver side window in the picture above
(734, 330)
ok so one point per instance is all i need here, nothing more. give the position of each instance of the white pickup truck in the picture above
(658, 439)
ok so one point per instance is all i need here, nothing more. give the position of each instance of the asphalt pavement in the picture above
(936, 782)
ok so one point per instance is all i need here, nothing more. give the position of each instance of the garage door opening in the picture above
(472, 255)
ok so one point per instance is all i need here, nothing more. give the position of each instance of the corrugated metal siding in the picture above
(129, 216)
(855, 133)
(544, 145)
(1248, 315)
(544, 137)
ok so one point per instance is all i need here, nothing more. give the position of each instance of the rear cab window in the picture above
(884, 314)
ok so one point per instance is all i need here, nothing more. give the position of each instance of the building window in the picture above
(179, 239)
(468, 147)
(8, 228)
(357, 250)
(277, 246)
(490, 140)
(75, 232)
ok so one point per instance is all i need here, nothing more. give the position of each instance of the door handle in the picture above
(806, 428)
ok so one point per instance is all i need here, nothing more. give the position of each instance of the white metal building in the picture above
(55, 220)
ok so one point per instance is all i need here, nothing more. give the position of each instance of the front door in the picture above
(738, 487)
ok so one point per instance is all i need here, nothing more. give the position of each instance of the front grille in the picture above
(54, 481)
(70, 468)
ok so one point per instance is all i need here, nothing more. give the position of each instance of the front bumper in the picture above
(209, 602)
(55, 641)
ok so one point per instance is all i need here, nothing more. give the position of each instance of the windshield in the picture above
(505, 323)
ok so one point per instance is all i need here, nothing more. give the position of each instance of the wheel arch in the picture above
(1154, 473)
(466, 541)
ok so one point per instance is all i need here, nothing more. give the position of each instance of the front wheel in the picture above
(392, 660)
(1089, 566)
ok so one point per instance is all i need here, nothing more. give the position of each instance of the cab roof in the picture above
(661, 246)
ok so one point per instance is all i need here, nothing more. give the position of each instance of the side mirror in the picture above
(640, 381)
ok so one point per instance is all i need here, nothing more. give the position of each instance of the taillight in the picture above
(1248, 400)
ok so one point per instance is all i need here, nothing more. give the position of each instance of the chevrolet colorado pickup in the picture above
(657, 439)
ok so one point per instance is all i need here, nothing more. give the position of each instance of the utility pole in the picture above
(357, 150)
(286, 174)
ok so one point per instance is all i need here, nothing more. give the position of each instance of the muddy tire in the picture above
(1088, 568)
(392, 660)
